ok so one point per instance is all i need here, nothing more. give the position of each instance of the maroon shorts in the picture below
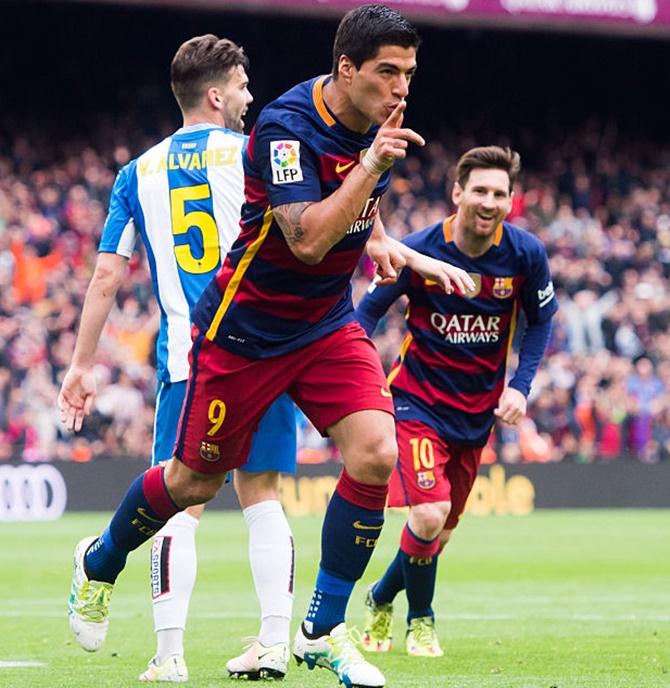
(227, 395)
(432, 469)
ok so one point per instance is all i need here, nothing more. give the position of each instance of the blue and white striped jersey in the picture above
(183, 197)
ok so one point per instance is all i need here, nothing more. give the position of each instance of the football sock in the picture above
(391, 583)
(173, 572)
(271, 557)
(419, 565)
(142, 513)
(351, 528)
(170, 642)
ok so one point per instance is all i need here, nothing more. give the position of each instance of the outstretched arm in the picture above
(446, 275)
(78, 390)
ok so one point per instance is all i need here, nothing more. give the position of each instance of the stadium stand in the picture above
(595, 189)
(601, 205)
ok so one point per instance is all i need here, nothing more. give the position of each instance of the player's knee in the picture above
(201, 493)
(378, 460)
(188, 488)
(191, 491)
(252, 488)
(427, 520)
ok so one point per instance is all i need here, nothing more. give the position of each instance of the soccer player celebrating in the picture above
(278, 318)
(449, 381)
(183, 197)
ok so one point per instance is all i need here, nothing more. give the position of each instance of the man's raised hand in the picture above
(391, 142)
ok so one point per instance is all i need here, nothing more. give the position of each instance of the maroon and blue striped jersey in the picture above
(451, 369)
(265, 302)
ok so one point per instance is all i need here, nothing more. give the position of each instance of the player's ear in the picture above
(509, 204)
(345, 69)
(215, 97)
(456, 193)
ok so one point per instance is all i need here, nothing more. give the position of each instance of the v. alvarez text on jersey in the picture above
(265, 302)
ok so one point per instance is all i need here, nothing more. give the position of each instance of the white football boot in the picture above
(172, 670)
(88, 607)
(338, 652)
(260, 663)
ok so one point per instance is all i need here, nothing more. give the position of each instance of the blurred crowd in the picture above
(600, 204)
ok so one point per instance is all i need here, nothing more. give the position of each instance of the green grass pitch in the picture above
(564, 599)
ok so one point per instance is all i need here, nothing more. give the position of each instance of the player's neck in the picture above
(198, 117)
(467, 243)
(339, 103)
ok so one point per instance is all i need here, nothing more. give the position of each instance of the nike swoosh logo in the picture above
(360, 526)
(339, 168)
(386, 393)
(144, 514)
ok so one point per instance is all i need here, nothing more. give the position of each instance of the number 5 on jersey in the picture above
(203, 221)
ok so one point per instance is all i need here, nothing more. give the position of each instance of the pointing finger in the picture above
(395, 118)
(408, 135)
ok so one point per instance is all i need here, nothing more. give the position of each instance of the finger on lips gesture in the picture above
(393, 138)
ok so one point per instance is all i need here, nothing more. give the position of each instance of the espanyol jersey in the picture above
(264, 301)
(451, 369)
(183, 198)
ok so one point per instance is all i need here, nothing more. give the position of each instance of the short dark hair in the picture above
(365, 29)
(488, 158)
(200, 62)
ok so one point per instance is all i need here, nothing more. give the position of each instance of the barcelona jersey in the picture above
(451, 369)
(263, 301)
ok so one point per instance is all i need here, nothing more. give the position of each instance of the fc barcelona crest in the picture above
(503, 287)
(425, 479)
(209, 451)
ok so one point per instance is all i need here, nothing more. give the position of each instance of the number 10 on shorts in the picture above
(422, 453)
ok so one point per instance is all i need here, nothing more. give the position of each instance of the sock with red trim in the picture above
(419, 567)
(351, 528)
(144, 510)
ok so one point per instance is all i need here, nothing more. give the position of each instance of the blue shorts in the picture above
(273, 447)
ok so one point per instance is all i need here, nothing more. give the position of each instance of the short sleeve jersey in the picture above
(451, 369)
(265, 302)
(183, 198)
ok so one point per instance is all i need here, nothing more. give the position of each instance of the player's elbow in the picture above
(106, 279)
(310, 255)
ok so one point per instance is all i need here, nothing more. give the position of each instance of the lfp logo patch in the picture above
(285, 162)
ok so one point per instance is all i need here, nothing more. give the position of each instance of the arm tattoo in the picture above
(288, 218)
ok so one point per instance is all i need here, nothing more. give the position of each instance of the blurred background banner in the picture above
(583, 15)
(44, 492)
(517, 11)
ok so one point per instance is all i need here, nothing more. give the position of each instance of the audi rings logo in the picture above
(31, 493)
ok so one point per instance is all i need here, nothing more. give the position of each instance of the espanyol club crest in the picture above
(503, 287)
(209, 451)
(425, 479)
